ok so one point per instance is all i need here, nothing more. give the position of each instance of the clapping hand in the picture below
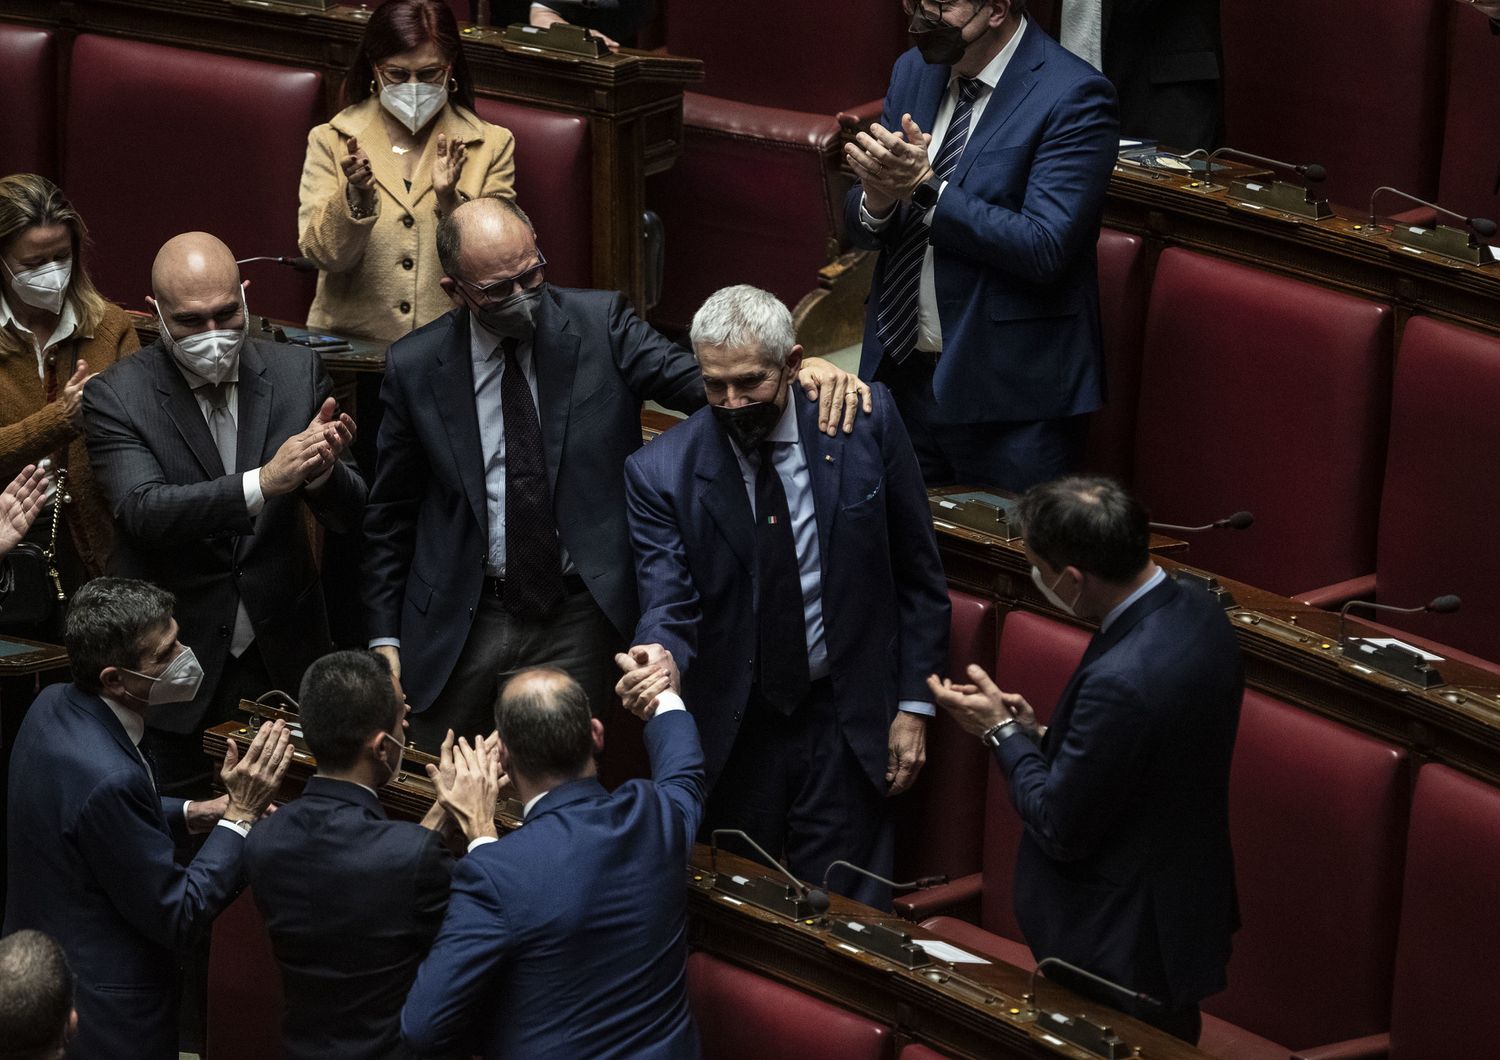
(980, 706)
(447, 167)
(252, 781)
(467, 779)
(356, 167)
(890, 165)
(72, 392)
(19, 503)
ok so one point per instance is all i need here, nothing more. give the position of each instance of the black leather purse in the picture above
(27, 598)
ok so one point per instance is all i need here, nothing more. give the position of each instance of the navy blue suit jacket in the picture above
(427, 524)
(352, 900)
(885, 600)
(568, 937)
(1125, 867)
(1013, 237)
(90, 863)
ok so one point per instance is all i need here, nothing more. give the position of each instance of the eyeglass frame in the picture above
(444, 72)
(511, 284)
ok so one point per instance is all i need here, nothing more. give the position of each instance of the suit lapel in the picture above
(721, 488)
(932, 83)
(1015, 85)
(255, 397)
(452, 384)
(96, 708)
(182, 409)
(825, 467)
(554, 357)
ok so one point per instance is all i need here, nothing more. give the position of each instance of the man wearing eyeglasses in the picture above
(495, 537)
(982, 187)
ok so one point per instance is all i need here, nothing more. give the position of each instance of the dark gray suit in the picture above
(182, 523)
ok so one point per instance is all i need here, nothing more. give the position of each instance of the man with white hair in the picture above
(794, 578)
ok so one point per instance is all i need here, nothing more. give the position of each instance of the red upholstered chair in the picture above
(940, 823)
(1339, 82)
(921, 1052)
(554, 184)
(244, 986)
(743, 1016)
(1441, 500)
(1122, 304)
(1318, 820)
(28, 84)
(1037, 656)
(163, 140)
(1263, 393)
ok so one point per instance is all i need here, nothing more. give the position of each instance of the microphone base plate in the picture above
(764, 892)
(895, 946)
(1279, 195)
(1443, 241)
(1393, 661)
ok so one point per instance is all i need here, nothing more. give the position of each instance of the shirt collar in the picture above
(134, 724)
(483, 341)
(196, 382)
(67, 324)
(995, 68)
(1119, 609)
(531, 804)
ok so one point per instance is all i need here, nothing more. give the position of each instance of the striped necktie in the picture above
(897, 318)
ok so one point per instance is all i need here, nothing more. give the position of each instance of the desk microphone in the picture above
(1440, 605)
(300, 264)
(1124, 991)
(1308, 171)
(1237, 521)
(1479, 227)
(817, 899)
(918, 884)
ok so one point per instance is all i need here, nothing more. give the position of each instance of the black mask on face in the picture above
(748, 425)
(514, 316)
(939, 43)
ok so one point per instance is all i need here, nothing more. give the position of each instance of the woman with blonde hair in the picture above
(56, 331)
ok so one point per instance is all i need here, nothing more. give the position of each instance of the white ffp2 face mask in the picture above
(413, 103)
(45, 286)
(210, 355)
(178, 683)
(1050, 592)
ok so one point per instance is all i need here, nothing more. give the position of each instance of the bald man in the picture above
(495, 539)
(206, 447)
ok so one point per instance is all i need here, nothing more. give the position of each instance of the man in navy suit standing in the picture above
(982, 187)
(1125, 868)
(568, 937)
(795, 579)
(90, 840)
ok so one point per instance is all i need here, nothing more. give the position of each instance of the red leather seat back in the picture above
(1468, 177)
(163, 140)
(244, 986)
(1313, 82)
(1441, 502)
(1317, 818)
(1122, 306)
(28, 85)
(940, 823)
(921, 1052)
(744, 1016)
(554, 184)
(1264, 393)
(757, 197)
(1443, 1002)
(1037, 657)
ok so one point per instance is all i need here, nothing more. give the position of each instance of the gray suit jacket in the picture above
(181, 520)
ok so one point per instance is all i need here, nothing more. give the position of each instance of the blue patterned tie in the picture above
(897, 317)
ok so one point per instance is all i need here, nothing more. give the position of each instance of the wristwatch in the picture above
(996, 733)
(925, 195)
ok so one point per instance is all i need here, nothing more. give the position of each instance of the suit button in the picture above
(406, 307)
(224, 632)
(408, 220)
(736, 715)
(407, 263)
(239, 573)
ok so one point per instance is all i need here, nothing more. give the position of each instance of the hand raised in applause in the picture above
(980, 706)
(308, 453)
(467, 782)
(649, 671)
(447, 167)
(890, 164)
(252, 781)
(72, 393)
(19, 503)
(357, 171)
(339, 432)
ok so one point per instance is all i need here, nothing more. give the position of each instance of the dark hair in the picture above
(398, 26)
(346, 698)
(107, 625)
(545, 725)
(450, 229)
(36, 995)
(1086, 521)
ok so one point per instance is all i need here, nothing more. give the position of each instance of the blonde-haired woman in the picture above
(56, 331)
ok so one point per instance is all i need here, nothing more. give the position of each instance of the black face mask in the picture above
(514, 316)
(748, 425)
(939, 43)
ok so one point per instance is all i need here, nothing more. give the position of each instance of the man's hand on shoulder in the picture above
(839, 395)
(649, 671)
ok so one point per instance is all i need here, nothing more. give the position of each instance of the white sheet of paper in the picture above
(1386, 642)
(943, 951)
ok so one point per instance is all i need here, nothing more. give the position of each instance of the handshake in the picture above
(649, 671)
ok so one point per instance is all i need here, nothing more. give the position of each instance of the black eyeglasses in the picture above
(521, 281)
(428, 75)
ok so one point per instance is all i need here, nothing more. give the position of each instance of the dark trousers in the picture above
(794, 786)
(182, 769)
(1012, 455)
(577, 639)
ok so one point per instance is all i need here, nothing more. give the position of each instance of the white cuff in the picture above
(869, 220)
(916, 706)
(384, 642)
(542, 7)
(475, 844)
(666, 701)
(255, 500)
(185, 804)
(237, 827)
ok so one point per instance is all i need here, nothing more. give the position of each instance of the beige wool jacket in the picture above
(379, 275)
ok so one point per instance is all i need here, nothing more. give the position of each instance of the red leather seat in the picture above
(554, 184)
(1308, 82)
(28, 84)
(1263, 393)
(1318, 818)
(244, 986)
(939, 824)
(921, 1052)
(165, 140)
(743, 1016)
(1122, 305)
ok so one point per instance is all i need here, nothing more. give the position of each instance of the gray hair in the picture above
(107, 625)
(745, 317)
(36, 995)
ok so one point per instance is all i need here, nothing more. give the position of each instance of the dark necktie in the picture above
(897, 322)
(781, 628)
(151, 770)
(533, 558)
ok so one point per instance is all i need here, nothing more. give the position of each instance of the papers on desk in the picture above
(942, 951)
